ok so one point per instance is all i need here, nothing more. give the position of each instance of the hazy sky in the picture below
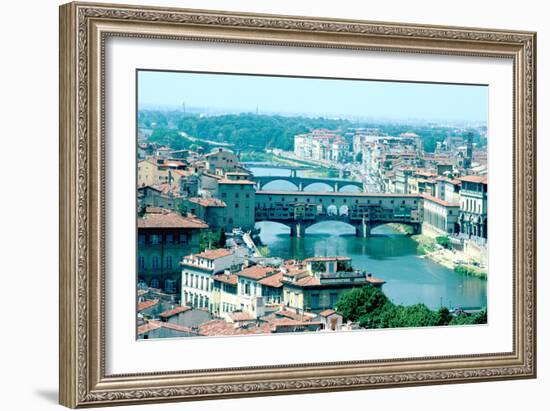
(372, 99)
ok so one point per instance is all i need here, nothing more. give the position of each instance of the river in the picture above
(387, 254)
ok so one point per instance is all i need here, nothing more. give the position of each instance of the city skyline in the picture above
(349, 98)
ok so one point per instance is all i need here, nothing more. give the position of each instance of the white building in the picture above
(197, 273)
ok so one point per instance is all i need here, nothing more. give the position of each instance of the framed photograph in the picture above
(263, 205)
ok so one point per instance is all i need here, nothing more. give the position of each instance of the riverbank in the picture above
(439, 250)
(455, 260)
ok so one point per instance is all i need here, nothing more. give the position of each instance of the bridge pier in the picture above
(336, 186)
(297, 230)
(300, 187)
(363, 230)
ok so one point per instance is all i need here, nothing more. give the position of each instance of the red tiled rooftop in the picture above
(230, 279)
(256, 272)
(174, 311)
(240, 316)
(273, 280)
(145, 328)
(326, 313)
(214, 254)
(221, 327)
(308, 281)
(146, 304)
(475, 179)
(208, 202)
(166, 219)
(439, 201)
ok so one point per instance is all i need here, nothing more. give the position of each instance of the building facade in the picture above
(198, 270)
(441, 216)
(473, 206)
(164, 237)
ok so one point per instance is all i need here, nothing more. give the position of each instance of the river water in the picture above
(387, 254)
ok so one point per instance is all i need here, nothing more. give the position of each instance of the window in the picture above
(314, 301)
(237, 205)
(236, 195)
(247, 196)
(155, 263)
(141, 262)
(169, 238)
(183, 238)
(141, 239)
(155, 283)
(247, 288)
(168, 262)
(155, 239)
(224, 195)
(333, 299)
(170, 286)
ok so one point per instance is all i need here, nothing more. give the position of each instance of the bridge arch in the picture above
(291, 185)
(317, 183)
(350, 188)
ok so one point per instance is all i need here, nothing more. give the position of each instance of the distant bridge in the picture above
(261, 164)
(302, 182)
(300, 210)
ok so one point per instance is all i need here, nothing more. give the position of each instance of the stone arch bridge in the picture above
(302, 182)
(300, 210)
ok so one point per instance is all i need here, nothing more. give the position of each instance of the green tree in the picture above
(364, 305)
(417, 315)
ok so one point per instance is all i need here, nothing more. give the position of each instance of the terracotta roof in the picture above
(326, 313)
(167, 219)
(214, 254)
(207, 202)
(174, 311)
(221, 327)
(146, 304)
(145, 328)
(231, 279)
(172, 326)
(292, 315)
(240, 316)
(475, 179)
(255, 272)
(273, 280)
(308, 281)
(439, 201)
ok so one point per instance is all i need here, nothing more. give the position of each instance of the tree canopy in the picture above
(370, 307)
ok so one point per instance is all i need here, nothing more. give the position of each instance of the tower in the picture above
(469, 150)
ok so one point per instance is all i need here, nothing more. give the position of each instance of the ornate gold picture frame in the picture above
(84, 29)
